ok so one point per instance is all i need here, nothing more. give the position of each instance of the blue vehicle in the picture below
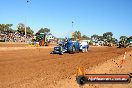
(67, 47)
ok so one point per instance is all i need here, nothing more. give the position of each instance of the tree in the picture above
(11, 30)
(44, 30)
(6, 27)
(94, 38)
(29, 31)
(114, 40)
(130, 37)
(108, 36)
(123, 38)
(77, 35)
(100, 38)
(85, 37)
(2, 27)
(21, 29)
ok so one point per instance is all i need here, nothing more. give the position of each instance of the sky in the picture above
(89, 16)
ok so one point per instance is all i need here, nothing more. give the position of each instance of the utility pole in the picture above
(72, 25)
(73, 34)
(27, 1)
(25, 32)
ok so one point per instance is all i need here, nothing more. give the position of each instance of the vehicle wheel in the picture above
(83, 50)
(46, 44)
(86, 50)
(40, 42)
(72, 50)
(81, 80)
(51, 53)
(61, 53)
(77, 50)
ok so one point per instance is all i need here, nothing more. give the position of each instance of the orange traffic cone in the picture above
(80, 71)
(123, 59)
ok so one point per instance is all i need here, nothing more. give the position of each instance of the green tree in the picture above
(6, 27)
(108, 36)
(114, 40)
(85, 37)
(94, 38)
(21, 29)
(130, 37)
(11, 30)
(44, 30)
(123, 38)
(29, 31)
(2, 27)
(100, 38)
(77, 35)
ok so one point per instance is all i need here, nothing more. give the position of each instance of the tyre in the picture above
(46, 44)
(77, 50)
(51, 52)
(83, 50)
(72, 49)
(81, 80)
(61, 53)
(40, 43)
(86, 50)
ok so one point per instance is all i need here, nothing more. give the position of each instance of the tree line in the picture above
(7, 28)
(106, 37)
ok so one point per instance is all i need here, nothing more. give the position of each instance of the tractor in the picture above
(68, 46)
(41, 39)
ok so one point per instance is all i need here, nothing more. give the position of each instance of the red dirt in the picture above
(3, 44)
(36, 68)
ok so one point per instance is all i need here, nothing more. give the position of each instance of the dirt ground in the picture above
(112, 66)
(3, 44)
(35, 67)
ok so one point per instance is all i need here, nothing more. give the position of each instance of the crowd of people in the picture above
(14, 37)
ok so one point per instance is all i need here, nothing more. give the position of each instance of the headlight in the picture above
(56, 48)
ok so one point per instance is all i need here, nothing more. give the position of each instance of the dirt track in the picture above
(3, 44)
(36, 68)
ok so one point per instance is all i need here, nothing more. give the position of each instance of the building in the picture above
(51, 38)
